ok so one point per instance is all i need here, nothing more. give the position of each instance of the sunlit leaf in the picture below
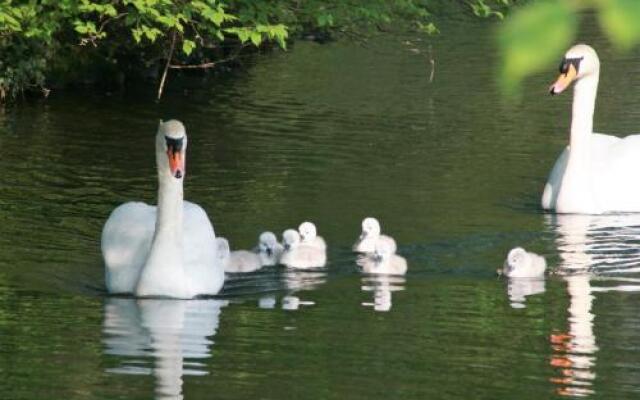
(256, 38)
(620, 19)
(188, 46)
(533, 38)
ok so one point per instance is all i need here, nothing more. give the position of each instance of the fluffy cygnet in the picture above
(269, 249)
(383, 260)
(370, 235)
(309, 235)
(300, 255)
(523, 264)
(239, 260)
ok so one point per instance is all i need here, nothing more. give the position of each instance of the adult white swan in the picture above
(596, 173)
(166, 250)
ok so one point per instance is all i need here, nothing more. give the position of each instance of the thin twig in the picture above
(166, 67)
(106, 21)
(204, 65)
(93, 38)
(194, 66)
(361, 39)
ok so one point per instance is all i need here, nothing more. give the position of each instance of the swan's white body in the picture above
(371, 235)
(237, 261)
(596, 173)
(383, 260)
(523, 264)
(127, 238)
(301, 256)
(309, 236)
(165, 250)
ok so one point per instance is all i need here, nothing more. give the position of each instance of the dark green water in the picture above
(329, 133)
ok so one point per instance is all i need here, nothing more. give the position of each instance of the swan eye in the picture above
(567, 62)
(174, 145)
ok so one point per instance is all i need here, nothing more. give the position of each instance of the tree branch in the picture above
(194, 66)
(166, 67)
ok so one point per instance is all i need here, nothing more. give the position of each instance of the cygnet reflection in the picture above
(267, 302)
(382, 287)
(519, 289)
(297, 281)
(371, 234)
(293, 303)
(172, 332)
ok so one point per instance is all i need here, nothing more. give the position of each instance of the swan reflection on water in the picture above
(596, 254)
(382, 287)
(174, 333)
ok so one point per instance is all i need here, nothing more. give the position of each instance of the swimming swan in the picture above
(366, 243)
(165, 250)
(269, 249)
(239, 260)
(309, 235)
(299, 255)
(523, 264)
(383, 260)
(596, 173)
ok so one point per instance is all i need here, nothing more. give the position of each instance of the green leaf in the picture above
(256, 38)
(8, 21)
(84, 27)
(137, 34)
(533, 38)
(242, 33)
(429, 29)
(620, 19)
(151, 33)
(217, 17)
(324, 20)
(188, 46)
(110, 10)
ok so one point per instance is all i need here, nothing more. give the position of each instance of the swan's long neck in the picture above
(584, 101)
(576, 193)
(169, 225)
(163, 273)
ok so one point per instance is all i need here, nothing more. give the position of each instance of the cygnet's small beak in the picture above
(286, 246)
(269, 251)
(563, 81)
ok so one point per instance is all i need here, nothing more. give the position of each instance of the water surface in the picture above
(329, 133)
